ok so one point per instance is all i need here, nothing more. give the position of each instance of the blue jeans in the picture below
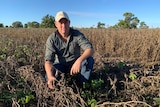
(66, 69)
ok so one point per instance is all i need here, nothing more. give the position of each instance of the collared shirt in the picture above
(67, 51)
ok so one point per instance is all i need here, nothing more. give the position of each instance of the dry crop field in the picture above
(126, 70)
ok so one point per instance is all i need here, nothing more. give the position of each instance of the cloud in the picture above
(97, 15)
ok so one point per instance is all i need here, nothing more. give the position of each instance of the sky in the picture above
(82, 13)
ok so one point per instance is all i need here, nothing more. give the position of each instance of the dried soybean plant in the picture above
(139, 91)
(135, 46)
(125, 104)
(61, 96)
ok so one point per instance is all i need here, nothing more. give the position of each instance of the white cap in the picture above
(61, 15)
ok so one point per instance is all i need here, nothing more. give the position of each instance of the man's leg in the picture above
(57, 70)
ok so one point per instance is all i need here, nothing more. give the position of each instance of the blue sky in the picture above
(82, 13)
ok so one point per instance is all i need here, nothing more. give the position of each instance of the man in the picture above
(66, 44)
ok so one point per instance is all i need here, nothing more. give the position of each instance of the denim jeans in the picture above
(66, 69)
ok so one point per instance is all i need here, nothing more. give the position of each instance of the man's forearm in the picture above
(88, 52)
(48, 68)
(50, 77)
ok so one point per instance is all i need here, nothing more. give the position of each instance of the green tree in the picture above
(143, 25)
(130, 21)
(47, 22)
(1, 25)
(17, 24)
(33, 24)
(122, 24)
(134, 22)
(100, 25)
(25, 25)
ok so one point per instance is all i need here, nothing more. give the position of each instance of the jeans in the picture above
(66, 69)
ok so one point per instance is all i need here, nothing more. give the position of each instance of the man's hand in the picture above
(77, 64)
(50, 82)
(49, 68)
(76, 67)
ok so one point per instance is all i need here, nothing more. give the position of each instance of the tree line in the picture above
(47, 22)
(130, 21)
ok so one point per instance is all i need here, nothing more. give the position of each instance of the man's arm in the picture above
(76, 66)
(50, 77)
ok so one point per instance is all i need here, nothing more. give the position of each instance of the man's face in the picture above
(63, 26)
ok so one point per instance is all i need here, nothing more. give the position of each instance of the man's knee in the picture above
(86, 69)
(90, 62)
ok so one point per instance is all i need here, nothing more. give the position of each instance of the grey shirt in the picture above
(67, 51)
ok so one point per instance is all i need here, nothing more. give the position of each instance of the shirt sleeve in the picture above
(50, 50)
(84, 43)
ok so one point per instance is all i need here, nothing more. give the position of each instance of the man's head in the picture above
(62, 22)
